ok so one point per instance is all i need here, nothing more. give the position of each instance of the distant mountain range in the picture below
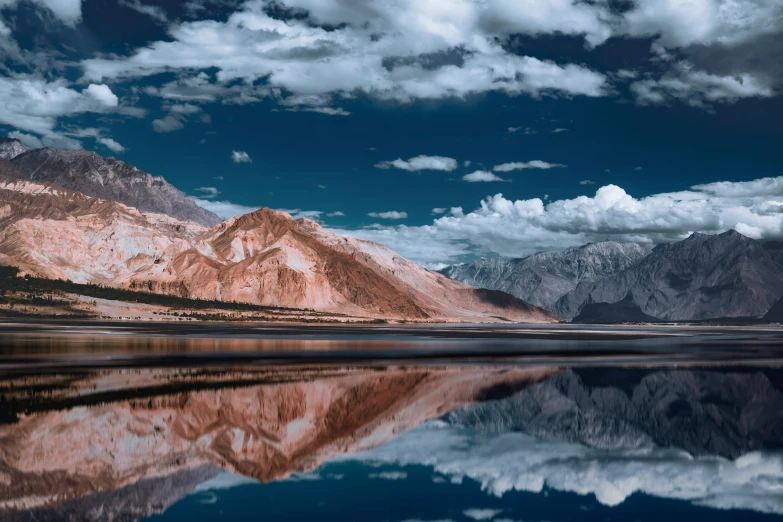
(105, 178)
(265, 258)
(700, 278)
(543, 278)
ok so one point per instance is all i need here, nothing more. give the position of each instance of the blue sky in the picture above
(298, 104)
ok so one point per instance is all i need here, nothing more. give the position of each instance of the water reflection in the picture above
(393, 443)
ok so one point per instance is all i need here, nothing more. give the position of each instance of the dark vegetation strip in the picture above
(10, 281)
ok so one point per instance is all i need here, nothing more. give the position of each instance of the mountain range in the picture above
(541, 279)
(704, 277)
(264, 258)
(77, 216)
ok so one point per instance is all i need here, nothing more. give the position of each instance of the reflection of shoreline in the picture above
(292, 422)
(43, 347)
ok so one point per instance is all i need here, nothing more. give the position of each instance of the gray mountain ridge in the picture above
(543, 278)
(109, 178)
(701, 412)
(702, 277)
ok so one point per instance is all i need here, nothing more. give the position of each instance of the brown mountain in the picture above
(105, 178)
(102, 432)
(265, 257)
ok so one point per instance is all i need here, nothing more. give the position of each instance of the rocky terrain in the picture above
(105, 178)
(97, 434)
(541, 279)
(702, 277)
(701, 412)
(10, 148)
(265, 258)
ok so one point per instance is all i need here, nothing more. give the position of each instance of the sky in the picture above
(447, 130)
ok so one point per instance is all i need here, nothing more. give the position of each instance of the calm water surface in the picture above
(151, 422)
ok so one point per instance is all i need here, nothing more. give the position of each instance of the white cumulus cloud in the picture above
(421, 163)
(481, 175)
(520, 165)
(224, 209)
(513, 228)
(391, 214)
(238, 156)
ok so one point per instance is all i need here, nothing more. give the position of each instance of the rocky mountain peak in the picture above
(111, 179)
(11, 147)
(543, 278)
(702, 277)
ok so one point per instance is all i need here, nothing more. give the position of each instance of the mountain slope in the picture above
(108, 178)
(541, 279)
(702, 277)
(10, 148)
(265, 257)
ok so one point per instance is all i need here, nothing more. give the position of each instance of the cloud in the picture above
(27, 139)
(481, 514)
(33, 104)
(335, 214)
(438, 210)
(698, 89)
(329, 111)
(111, 145)
(223, 480)
(391, 214)
(238, 156)
(168, 124)
(298, 213)
(559, 130)
(178, 114)
(534, 164)
(587, 182)
(526, 130)
(514, 228)
(421, 163)
(380, 51)
(66, 11)
(103, 94)
(224, 209)
(516, 462)
(481, 175)
(154, 12)
(208, 192)
(389, 475)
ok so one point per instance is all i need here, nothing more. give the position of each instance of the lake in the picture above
(170, 422)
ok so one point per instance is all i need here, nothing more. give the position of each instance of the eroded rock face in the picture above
(702, 277)
(265, 257)
(11, 148)
(702, 412)
(541, 279)
(108, 178)
(264, 431)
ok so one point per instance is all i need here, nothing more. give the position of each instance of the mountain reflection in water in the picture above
(393, 443)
